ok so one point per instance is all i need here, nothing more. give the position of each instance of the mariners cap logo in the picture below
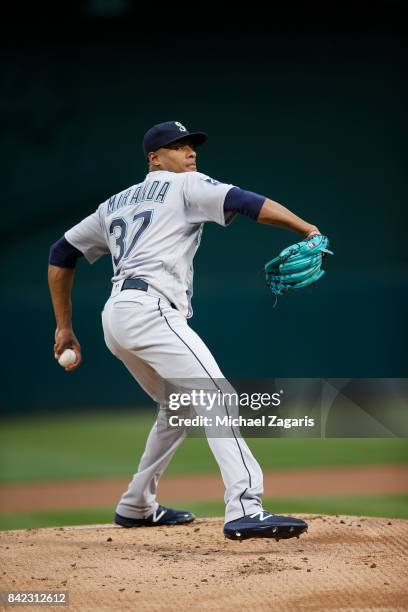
(180, 126)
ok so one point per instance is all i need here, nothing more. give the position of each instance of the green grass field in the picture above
(109, 445)
(393, 506)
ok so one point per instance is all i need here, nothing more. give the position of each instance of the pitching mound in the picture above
(342, 563)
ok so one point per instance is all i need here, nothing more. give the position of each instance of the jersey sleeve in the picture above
(204, 199)
(89, 237)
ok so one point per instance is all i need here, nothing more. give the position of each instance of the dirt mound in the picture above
(342, 563)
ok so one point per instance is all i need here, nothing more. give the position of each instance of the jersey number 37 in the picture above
(119, 229)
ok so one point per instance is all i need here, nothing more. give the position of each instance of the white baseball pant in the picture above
(156, 344)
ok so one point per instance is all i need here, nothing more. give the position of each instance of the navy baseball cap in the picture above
(163, 134)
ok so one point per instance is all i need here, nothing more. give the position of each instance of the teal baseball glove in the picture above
(297, 266)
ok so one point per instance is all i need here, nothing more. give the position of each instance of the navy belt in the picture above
(140, 284)
(135, 283)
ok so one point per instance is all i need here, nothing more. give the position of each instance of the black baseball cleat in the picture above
(264, 525)
(162, 516)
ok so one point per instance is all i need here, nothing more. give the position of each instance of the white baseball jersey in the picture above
(153, 230)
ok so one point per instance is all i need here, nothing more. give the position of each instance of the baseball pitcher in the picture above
(152, 231)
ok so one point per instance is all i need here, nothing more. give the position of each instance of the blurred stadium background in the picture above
(307, 108)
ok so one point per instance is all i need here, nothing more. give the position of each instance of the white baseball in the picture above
(68, 357)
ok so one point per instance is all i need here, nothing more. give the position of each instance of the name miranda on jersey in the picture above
(149, 191)
(270, 420)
